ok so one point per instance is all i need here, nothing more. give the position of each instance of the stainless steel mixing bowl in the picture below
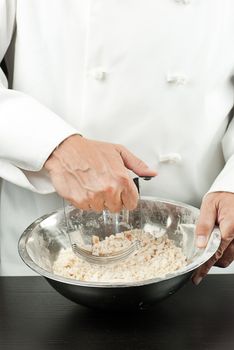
(42, 241)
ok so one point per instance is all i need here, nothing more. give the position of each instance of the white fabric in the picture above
(155, 76)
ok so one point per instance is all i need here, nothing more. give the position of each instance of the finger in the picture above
(222, 256)
(200, 273)
(227, 257)
(112, 200)
(130, 196)
(85, 194)
(96, 200)
(83, 205)
(79, 199)
(125, 194)
(135, 164)
(206, 223)
(227, 232)
(203, 270)
(226, 226)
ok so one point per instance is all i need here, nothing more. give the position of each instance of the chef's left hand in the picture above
(217, 209)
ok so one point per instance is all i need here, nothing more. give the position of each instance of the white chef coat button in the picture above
(177, 79)
(170, 158)
(98, 73)
(184, 2)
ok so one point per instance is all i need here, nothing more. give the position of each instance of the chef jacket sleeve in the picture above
(29, 131)
(225, 180)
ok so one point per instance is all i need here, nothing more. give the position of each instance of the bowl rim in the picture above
(22, 250)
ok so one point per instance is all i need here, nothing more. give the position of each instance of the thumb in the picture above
(135, 164)
(206, 223)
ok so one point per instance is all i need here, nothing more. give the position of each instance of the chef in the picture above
(94, 89)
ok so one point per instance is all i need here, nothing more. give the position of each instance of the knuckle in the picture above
(228, 231)
(209, 200)
(226, 241)
(109, 189)
(120, 146)
(124, 180)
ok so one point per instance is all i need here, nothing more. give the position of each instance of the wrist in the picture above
(52, 157)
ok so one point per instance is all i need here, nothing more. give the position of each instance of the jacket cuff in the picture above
(29, 132)
(225, 180)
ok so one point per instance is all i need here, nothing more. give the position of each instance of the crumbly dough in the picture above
(156, 257)
(111, 244)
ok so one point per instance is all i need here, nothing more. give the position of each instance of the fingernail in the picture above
(201, 241)
(151, 169)
(197, 281)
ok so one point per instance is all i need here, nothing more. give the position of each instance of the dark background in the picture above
(33, 316)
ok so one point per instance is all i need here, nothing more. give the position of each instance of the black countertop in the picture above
(33, 316)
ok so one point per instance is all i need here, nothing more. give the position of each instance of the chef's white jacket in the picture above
(153, 75)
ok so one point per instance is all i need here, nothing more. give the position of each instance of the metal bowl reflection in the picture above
(42, 241)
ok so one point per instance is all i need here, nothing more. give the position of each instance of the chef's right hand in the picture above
(93, 175)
